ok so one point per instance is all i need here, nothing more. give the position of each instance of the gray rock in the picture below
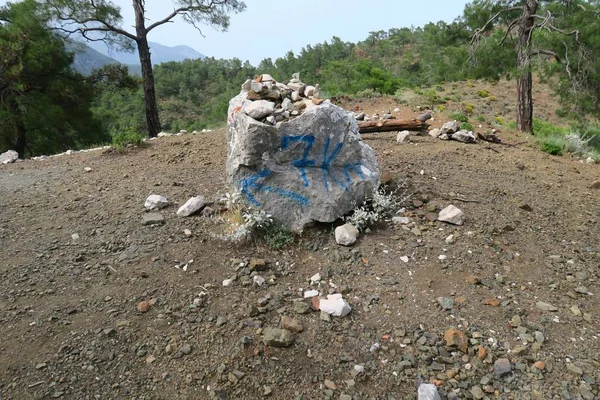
(464, 137)
(403, 137)
(387, 116)
(267, 78)
(287, 105)
(428, 391)
(257, 87)
(545, 306)
(9, 157)
(425, 116)
(574, 369)
(153, 219)
(435, 132)
(346, 235)
(276, 337)
(301, 307)
(247, 86)
(185, 349)
(477, 392)
(401, 220)
(446, 303)
(452, 215)
(360, 116)
(502, 367)
(312, 168)
(450, 127)
(259, 109)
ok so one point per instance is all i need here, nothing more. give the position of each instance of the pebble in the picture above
(185, 349)
(153, 219)
(143, 306)
(574, 369)
(330, 384)
(545, 306)
(502, 367)
(276, 337)
(291, 324)
(300, 307)
(477, 392)
(446, 303)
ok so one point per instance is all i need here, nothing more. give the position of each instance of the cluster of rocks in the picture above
(156, 202)
(274, 102)
(181, 133)
(296, 156)
(451, 131)
(361, 116)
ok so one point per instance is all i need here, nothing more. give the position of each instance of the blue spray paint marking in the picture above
(304, 162)
(251, 182)
(327, 161)
(356, 168)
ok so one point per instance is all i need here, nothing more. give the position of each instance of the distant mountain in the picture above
(88, 59)
(160, 53)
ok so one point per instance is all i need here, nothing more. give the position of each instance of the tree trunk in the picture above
(390, 125)
(21, 142)
(524, 85)
(152, 118)
(21, 130)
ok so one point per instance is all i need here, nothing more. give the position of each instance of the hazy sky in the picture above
(269, 28)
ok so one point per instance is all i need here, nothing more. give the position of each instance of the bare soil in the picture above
(70, 326)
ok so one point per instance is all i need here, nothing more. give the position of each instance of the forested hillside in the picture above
(193, 94)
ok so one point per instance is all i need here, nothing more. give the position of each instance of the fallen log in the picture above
(390, 125)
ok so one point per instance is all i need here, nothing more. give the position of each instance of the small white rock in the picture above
(401, 220)
(310, 294)
(346, 234)
(192, 206)
(155, 201)
(316, 278)
(87, 169)
(227, 282)
(450, 239)
(452, 215)
(403, 137)
(187, 232)
(75, 236)
(335, 305)
(258, 280)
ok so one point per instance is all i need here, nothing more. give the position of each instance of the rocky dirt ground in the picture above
(507, 308)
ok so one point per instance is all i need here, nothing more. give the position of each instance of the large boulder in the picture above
(314, 167)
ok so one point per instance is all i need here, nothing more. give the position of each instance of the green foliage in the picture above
(45, 106)
(483, 93)
(277, 236)
(459, 117)
(552, 145)
(547, 129)
(469, 108)
(127, 138)
(467, 126)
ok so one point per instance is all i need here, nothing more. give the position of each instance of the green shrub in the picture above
(544, 129)
(483, 93)
(368, 94)
(552, 145)
(469, 108)
(459, 117)
(277, 236)
(480, 118)
(127, 138)
(465, 126)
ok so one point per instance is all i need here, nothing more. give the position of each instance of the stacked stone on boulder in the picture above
(295, 155)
